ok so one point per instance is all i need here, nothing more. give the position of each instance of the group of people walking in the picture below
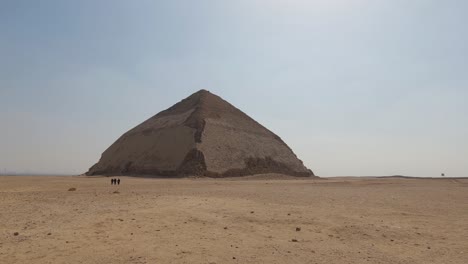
(115, 181)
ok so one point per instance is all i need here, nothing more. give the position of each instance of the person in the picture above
(112, 181)
(118, 181)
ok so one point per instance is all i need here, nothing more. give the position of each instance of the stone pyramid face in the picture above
(202, 135)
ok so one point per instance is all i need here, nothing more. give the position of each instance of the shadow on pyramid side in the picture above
(202, 135)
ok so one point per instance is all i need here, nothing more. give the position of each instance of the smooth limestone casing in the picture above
(156, 145)
(226, 146)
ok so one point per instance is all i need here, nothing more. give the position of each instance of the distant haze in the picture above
(354, 87)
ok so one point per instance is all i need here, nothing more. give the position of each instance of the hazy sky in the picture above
(355, 87)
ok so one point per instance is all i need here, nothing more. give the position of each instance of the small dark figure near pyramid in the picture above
(202, 135)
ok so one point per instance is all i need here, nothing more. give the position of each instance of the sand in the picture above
(251, 220)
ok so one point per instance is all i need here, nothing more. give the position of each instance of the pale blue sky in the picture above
(355, 87)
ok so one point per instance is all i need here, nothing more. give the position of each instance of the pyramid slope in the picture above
(201, 135)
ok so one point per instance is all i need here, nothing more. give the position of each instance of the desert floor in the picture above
(345, 220)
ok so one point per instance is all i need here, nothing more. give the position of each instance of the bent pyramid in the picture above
(202, 135)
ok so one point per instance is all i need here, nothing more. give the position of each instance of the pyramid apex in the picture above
(201, 94)
(203, 91)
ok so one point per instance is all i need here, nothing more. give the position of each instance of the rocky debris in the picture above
(15, 233)
(72, 189)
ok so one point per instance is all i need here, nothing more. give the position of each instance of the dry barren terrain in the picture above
(251, 220)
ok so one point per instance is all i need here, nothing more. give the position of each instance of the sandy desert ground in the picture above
(345, 220)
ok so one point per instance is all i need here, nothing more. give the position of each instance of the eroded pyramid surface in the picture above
(203, 135)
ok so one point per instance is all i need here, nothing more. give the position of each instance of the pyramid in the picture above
(202, 135)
